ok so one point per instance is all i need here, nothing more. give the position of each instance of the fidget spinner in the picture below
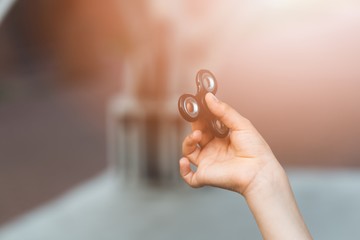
(193, 107)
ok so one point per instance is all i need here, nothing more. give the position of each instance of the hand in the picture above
(237, 162)
(243, 162)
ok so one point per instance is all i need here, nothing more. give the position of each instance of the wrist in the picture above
(264, 177)
(272, 202)
(270, 180)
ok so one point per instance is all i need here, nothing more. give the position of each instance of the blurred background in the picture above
(89, 130)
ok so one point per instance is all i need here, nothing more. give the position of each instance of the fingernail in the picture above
(182, 160)
(195, 132)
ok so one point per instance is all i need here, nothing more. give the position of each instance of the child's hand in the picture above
(238, 162)
(243, 162)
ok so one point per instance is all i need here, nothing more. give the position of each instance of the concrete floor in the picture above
(103, 209)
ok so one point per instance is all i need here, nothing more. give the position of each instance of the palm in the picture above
(236, 154)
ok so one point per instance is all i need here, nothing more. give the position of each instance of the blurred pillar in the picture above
(144, 128)
(145, 135)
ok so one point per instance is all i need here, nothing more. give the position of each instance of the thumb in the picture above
(229, 116)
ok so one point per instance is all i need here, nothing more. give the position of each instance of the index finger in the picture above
(206, 134)
(190, 146)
